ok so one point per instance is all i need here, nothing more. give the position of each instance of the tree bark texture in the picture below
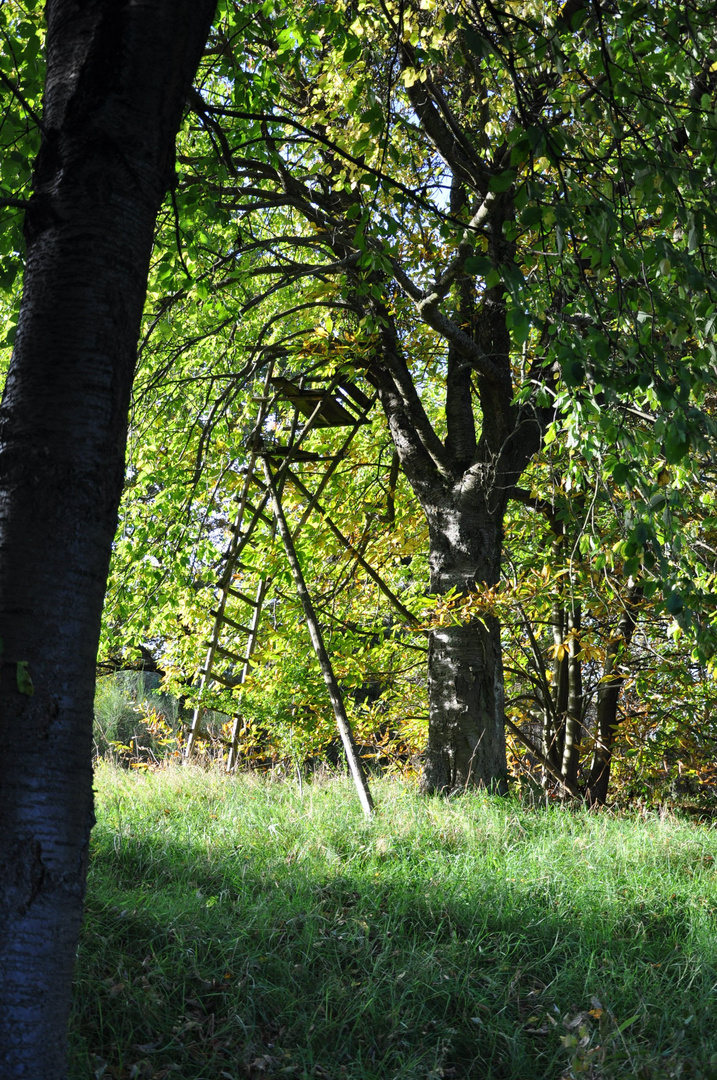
(465, 683)
(574, 709)
(556, 697)
(117, 77)
(608, 698)
(466, 743)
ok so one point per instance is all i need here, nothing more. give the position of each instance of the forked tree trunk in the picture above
(466, 736)
(463, 486)
(117, 77)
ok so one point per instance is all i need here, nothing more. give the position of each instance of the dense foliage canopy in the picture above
(496, 221)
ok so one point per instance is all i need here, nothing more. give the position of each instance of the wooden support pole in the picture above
(342, 720)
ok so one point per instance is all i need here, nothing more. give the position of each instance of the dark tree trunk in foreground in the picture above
(117, 77)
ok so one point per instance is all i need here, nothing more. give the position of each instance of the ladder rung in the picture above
(297, 455)
(232, 655)
(254, 511)
(231, 684)
(238, 565)
(240, 596)
(232, 622)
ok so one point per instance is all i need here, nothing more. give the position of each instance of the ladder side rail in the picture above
(221, 599)
(234, 555)
(223, 594)
(262, 587)
(261, 590)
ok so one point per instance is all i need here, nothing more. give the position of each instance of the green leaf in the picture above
(620, 472)
(578, 18)
(478, 264)
(628, 1023)
(601, 348)
(675, 604)
(574, 373)
(532, 215)
(502, 180)
(676, 446)
(352, 51)
(519, 322)
(477, 45)
(520, 151)
(24, 682)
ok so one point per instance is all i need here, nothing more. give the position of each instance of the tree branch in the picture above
(16, 204)
(545, 762)
(16, 93)
(541, 506)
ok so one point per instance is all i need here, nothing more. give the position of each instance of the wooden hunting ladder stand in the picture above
(338, 403)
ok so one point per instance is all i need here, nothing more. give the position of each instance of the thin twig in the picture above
(15, 91)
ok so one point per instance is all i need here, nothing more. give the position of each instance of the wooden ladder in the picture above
(236, 612)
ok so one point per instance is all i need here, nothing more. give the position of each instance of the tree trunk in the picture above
(464, 504)
(574, 704)
(556, 702)
(117, 77)
(466, 737)
(608, 698)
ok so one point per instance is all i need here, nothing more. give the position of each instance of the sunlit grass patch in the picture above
(238, 927)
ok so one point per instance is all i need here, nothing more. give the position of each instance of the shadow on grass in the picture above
(200, 966)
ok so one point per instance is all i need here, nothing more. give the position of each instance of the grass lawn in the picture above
(240, 928)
